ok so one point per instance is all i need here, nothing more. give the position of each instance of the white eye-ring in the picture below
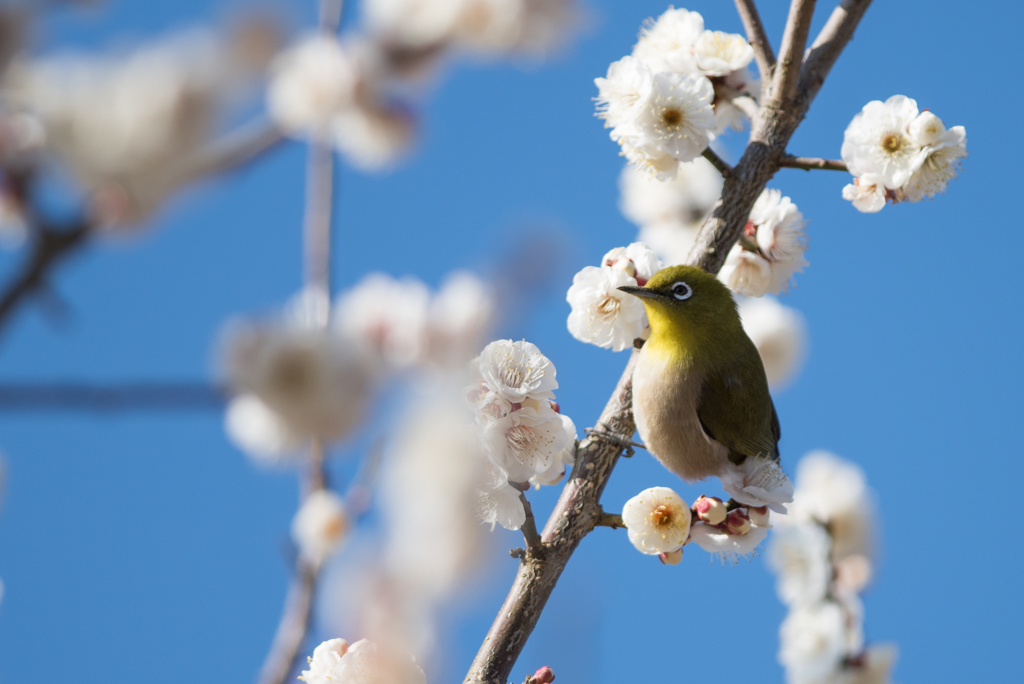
(682, 291)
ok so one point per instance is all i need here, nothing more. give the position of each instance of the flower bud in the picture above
(737, 522)
(759, 516)
(926, 129)
(626, 265)
(544, 675)
(671, 558)
(710, 509)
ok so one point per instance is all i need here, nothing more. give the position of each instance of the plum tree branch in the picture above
(717, 162)
(757, 38)
(578, 509)
(794, 39)
(811, 163)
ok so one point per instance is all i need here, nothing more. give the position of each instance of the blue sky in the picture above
(145, 547)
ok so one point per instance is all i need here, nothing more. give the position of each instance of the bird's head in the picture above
(688, 306)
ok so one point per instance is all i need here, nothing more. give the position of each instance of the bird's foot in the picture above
(626, 444)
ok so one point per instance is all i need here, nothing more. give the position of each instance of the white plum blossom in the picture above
(556, 471)
(372, 136)
(601, 313)
(499, 501)
(623, 92)
(799, 554)
(386, 316)
(867, 193)
(668, 43)
(261, 432)
(719, 53)
(671, 239)
(779, 333)
(364, 662)
(728, 547)
(319, 525)
(939, 159)
(515, 371)
(315, 381)
(873, 666)
(526, 442)
(772, 248)
(878, 141)
(311, 83)
(657, 520)
(813, 642)
(638, 260)
(687, 198)
(675, 122)
(758, 481)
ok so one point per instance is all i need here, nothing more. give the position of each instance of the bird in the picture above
(700, 393)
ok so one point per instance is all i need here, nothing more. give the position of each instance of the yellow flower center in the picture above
(661, 516)
(892, 143)
(671, 117)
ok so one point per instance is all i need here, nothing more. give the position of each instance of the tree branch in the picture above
(612, 520)
(717, 162)
(131, 396)
(837, 32)
(747, 105)
(291, 630)
(757, 38)
(794, 40)
(533, 541)
(811, 163)
(578, 509)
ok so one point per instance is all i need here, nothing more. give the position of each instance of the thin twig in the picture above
(291, 630)
(811, 163)
(231, 151)
(747, 105)
(757, 38)
(717, 161)
(130, 396)
(612, 520)
(794, 40)
(533, 543)
(834, 36)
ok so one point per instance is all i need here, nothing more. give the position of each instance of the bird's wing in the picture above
(736, 409)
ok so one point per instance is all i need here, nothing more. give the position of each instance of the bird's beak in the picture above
(641, 292)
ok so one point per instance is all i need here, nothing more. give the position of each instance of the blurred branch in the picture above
(791, 52)
(811, 163)
(233, 150)
(578, 509)
(757, 38)
(135, 396)
(291, 630)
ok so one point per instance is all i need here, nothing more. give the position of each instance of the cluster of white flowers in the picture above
(601, 313)
(297, 378)
(660, 523)
(898, 154)
(120, 122)
(770, 250)
(527, 439)
(364, 662)
(668, 100)
(485, 27)
(822, 552)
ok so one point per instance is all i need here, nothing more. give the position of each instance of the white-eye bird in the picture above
(700, 395)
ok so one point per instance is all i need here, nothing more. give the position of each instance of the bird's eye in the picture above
(682, 291)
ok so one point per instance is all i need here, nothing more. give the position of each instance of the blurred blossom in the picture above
(499, 501)
(373, 137)
(799, 555)
(688, 198)
(657, 521)
(874, 666)
(460, 315)
(123, 123)
(780, 335)
(771, 249)
(261, 432)
(364, 662)
(386, 316)
(488, 27)
(319, 525)
(313, 379)
(638, 261)
(758, 482)
(813, 642)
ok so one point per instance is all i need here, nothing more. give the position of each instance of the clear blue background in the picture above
(142, 547)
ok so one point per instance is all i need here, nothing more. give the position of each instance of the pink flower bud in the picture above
(759, 516)
(710, 509)
(555, 407)
(626, 265)
(671, 558)
(544, 675)
(737, 522)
